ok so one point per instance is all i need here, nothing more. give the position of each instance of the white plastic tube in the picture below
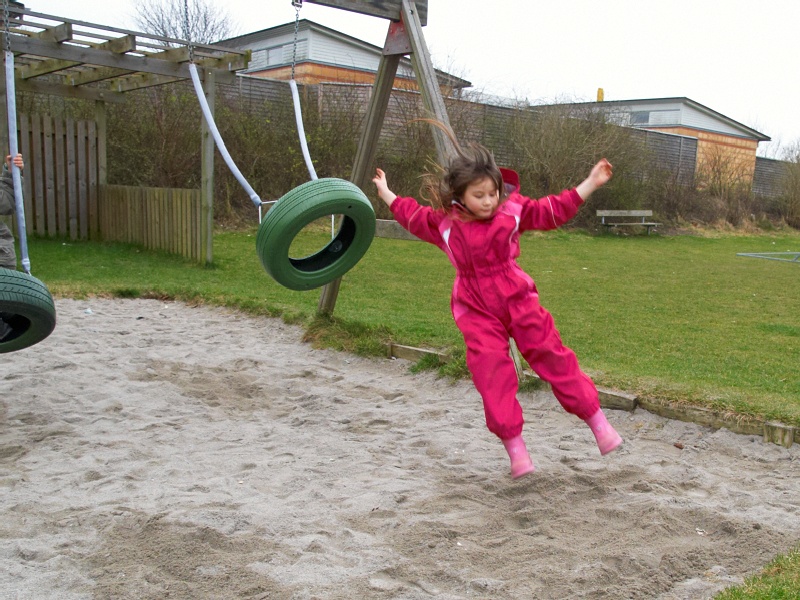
(198, 89)
(298, 117)
(11, 104)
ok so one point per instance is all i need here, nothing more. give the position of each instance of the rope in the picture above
(11, 103)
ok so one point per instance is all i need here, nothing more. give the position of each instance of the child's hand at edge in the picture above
(17, 161)
(384, 192)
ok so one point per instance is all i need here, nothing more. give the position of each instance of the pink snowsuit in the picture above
(494, 299)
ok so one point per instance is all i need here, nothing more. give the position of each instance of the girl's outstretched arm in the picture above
(598, 177)
(384, 192)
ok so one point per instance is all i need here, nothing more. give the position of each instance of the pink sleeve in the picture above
(549, 212)
(420, 220)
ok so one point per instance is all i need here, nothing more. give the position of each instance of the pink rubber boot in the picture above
(607, 438)
(521, 463)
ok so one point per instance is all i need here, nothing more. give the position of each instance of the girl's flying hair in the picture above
(444, 188)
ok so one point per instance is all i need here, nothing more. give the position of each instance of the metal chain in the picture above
(186, 27)
(6, 27)
(298, 4)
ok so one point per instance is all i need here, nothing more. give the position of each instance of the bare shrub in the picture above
(154, 138)
(790, 194)
(556, 146)
(727, 178)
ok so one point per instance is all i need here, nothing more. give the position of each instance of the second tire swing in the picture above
(299, 207)
(306, 203)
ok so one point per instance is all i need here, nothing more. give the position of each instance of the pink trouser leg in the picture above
(493, 373)
(539, 342)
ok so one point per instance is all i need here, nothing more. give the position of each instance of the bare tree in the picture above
(207, 21)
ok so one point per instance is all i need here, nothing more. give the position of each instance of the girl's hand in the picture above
(380, 179)
(598, 177)
(384, 192)
(601, 172)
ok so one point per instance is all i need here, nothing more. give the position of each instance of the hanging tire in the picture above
(27, 307)
(299, 207)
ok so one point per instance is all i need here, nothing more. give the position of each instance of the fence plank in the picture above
(72, 181)
(37, 218)
(27, 180)
(49, 177)
(61, 177)
(91, 179)
(83, 187)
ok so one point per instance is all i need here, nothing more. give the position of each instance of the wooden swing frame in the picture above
(404, 37)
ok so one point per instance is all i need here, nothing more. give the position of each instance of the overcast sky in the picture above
(737, 57)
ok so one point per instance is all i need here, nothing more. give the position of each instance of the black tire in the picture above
(299, 207)
(27, 306)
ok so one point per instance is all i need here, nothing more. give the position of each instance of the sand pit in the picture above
(152, 450)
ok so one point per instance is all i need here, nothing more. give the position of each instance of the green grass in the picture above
(779, 580)
(681, 319)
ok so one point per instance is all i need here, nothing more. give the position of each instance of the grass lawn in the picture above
(683, 319)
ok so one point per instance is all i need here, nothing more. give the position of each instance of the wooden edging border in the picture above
(771, 431)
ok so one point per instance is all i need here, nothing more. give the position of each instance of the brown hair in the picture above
(470, 164)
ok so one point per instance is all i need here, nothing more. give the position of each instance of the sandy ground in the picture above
(153, 450)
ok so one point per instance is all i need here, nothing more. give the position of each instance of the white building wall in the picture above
(317, 47)
(700, 120)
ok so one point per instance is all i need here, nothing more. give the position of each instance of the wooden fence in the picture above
(60, 176)
(156, 218)
(63, 196)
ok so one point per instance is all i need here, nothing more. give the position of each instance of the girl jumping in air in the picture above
(477, 216)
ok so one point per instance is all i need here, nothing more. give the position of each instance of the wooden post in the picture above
(402, 36)
(427, 80)
(207, 172)
(365, 155)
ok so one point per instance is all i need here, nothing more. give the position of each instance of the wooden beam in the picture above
(57, 34)
(117, 46)
(140, 81)
(386, 9)
(67, 91)
(100, 58)
(80, 78)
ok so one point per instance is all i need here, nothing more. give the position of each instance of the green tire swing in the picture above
(299, 207)
(26, 305)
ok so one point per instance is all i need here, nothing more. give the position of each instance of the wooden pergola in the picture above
(76, 59)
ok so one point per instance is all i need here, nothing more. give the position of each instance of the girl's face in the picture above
(481, 198)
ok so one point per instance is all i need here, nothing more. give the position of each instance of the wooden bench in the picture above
(627, 214)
